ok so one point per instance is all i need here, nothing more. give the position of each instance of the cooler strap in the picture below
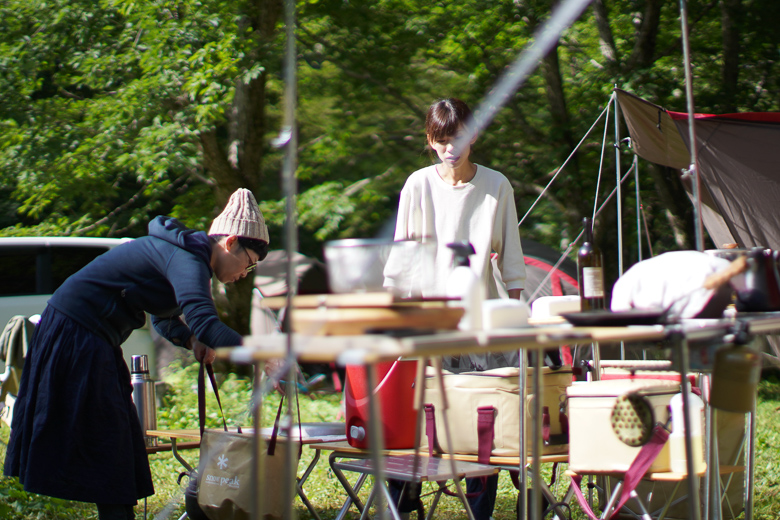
(430, 429)
(644, 459)
(485, 433)
(433, 445)
(546, 424)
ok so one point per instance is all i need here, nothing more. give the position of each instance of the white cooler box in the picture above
(593, 445)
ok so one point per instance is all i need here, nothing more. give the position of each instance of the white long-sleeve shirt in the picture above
(481, 212)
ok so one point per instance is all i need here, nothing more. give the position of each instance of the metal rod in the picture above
(694, 505)
(750, 453)
(288, 140)
(619, 191)
(694, 169)
(536, 448)
(638, 209)
(522, 504)
(376, 439)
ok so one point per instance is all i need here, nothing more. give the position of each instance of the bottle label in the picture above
(592, 282)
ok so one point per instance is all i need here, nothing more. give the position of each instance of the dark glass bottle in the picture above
(590, 271)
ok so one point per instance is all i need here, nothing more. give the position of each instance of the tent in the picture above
(738, 158)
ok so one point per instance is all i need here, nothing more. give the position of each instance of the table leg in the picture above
(522, 476)
(178, 456)
(351, 491)
(536, 447)
(694, 506)
(750, 455)
(302, 480)
(375, 435)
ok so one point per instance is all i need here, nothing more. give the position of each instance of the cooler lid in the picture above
(616, 387)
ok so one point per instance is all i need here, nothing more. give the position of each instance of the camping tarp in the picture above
(738, 162)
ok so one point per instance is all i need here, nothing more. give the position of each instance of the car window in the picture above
(41, 270)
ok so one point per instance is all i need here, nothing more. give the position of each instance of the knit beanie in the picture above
(241, 217)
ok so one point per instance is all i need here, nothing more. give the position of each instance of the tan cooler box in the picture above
(593, 446)
(498, 388)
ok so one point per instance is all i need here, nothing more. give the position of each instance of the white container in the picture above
(463, 283)
(503, 313)
(677, 437)
(593, 445)
(547, 306)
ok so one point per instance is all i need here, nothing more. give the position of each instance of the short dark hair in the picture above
(258, 246)
(445, 117)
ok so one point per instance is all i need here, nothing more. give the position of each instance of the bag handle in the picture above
(202, 396)
(202, 409)
(275, 431)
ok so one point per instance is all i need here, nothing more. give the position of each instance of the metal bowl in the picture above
(357, 265)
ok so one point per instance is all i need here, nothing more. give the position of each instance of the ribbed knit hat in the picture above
(241, 217)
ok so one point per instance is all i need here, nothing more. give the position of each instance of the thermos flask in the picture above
(143, 396)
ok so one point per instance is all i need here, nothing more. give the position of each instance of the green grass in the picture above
(179, 410)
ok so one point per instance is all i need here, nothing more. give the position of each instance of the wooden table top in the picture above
(497, 460)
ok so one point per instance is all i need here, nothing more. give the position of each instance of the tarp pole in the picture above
(619, 190)
(288, 140)
(638, 205)
(697, 216)
(619, 203)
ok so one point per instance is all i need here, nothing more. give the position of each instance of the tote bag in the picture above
(224, 480)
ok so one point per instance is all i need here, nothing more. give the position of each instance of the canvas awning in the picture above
(739, 165)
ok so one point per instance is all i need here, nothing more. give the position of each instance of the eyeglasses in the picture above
(251, 266)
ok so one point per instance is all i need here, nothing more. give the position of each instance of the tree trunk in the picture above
(238, 163)
(606, 40)
(730, 10)
(643, 53)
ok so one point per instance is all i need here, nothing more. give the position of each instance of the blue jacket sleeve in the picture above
(172, 329)
(191, 282)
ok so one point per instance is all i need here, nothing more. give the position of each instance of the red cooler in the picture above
(394, 392)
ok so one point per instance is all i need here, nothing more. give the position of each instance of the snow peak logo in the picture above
(223, 481)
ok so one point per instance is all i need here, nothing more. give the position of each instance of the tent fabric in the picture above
(738, 157)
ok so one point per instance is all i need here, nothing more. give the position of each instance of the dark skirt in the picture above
(75, 433)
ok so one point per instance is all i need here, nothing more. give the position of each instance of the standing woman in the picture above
(75, 433)
(456, 200)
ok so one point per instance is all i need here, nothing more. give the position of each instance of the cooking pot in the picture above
(358, 265)
(761, 292)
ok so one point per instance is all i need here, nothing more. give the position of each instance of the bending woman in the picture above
(75, 433)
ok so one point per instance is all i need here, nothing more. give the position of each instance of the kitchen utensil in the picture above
(363, 265)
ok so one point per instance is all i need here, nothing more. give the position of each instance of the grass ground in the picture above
(179, 410)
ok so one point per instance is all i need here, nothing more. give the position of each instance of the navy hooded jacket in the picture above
(166, 274)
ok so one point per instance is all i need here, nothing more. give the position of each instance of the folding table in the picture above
(343, 457)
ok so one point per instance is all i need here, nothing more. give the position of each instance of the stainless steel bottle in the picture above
(144, 396)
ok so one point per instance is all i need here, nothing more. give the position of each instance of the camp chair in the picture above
(14, 341)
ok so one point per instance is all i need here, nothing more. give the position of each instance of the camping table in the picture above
(194, 437)
(343, 450)
(369, 349)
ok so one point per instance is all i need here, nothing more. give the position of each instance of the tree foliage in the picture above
(117, 110)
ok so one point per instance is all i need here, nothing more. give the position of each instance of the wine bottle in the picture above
(590, 271)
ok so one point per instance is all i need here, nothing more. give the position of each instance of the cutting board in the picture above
(344, 321)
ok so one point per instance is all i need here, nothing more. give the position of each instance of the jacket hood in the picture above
(174, 232)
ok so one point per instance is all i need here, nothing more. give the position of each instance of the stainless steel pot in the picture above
(364, 265)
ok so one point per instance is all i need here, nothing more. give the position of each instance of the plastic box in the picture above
(593, 445)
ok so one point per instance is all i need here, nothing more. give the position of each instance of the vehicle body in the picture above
(32, 268)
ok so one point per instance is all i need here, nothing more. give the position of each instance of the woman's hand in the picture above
(202, 352)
